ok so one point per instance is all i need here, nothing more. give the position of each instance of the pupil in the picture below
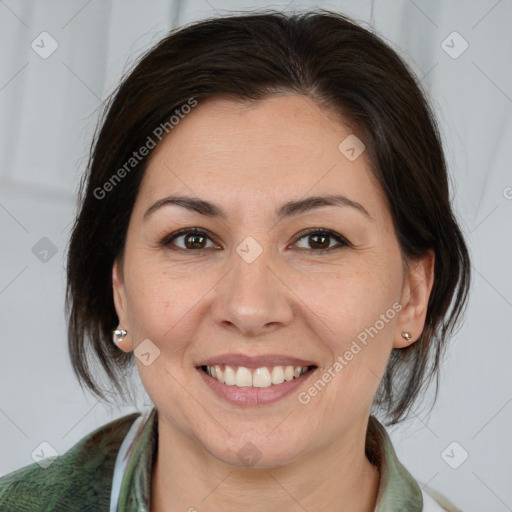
(191, 240)
(316, 237)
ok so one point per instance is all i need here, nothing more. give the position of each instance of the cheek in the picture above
(361, 323)
(155, 302)
(167, 306)
(355, 296)
(357, 309)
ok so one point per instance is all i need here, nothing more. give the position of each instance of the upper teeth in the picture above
(262, 378)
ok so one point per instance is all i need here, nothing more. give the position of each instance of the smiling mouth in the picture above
(262, 377)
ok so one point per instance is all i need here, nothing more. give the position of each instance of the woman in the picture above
(265, 230)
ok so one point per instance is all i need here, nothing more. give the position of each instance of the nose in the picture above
(253, 298)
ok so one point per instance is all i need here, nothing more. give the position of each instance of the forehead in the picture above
(246, 153)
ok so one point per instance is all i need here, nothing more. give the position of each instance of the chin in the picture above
(250, 452)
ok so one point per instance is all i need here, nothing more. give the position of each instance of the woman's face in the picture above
(255, 283)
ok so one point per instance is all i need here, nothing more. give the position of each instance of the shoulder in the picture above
(436, 502)
(79, 479)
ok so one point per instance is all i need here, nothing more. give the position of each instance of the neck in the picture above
(336, 478)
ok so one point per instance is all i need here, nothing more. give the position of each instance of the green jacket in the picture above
(110, 470)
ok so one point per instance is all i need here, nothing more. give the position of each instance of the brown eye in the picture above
(189, 239)
(194, 241)
(319, 240)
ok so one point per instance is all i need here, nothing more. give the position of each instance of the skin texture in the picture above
(292, 300)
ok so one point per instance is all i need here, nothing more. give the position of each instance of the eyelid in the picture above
(324, 231)
(169, 238)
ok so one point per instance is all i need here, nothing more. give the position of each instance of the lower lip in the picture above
(254, 396)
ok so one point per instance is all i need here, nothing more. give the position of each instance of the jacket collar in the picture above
(398, 490)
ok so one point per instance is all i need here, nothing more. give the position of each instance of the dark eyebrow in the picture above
(286, 210)
(296, 207)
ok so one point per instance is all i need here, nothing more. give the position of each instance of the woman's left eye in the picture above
(319, 240)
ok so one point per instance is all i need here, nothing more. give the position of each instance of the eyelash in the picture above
(166, 241)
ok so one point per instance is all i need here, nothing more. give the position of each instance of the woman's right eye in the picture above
(192, 240)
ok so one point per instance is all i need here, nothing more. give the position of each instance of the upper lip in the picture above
(254, 361)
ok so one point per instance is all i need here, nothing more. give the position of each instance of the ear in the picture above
(120, 303)
(418, 284)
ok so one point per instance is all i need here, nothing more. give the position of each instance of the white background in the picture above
(49, 108)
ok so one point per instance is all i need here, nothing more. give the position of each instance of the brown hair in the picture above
(341, 66)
